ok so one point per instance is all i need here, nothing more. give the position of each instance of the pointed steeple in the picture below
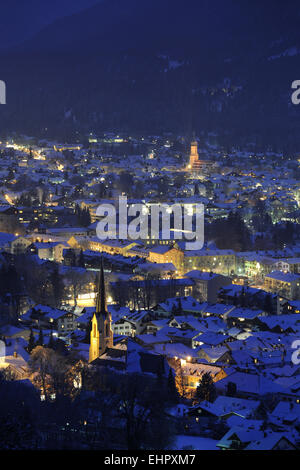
(101, 300)
(102, 337)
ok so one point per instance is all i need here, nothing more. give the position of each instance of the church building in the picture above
(195, 164)
(101, 332)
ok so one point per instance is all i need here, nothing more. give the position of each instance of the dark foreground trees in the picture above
(19, 402)
(115, 410)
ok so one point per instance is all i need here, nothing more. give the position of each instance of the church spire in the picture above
(101, 300)
(101, 332)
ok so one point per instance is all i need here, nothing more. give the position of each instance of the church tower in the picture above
(194, 157)
(101, 332)
(195, 164)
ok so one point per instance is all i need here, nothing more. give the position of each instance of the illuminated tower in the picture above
(195, 164)
(194, 157)
(101, 332)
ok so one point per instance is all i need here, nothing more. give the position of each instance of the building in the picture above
(195, 164)
(218, 261)
(101, 332)
(53, 251)
(244, 318)
(207, 285)
(8, 215)
(19, 245)
(285, 284)
(291, 265)
(112, 247)
(166, 254)
(256, 266)
(67, 323)
(124, 327)
(189, 375)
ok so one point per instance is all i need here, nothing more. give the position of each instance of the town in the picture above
(144, 344)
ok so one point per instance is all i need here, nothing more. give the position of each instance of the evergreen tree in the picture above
(81, 259)
(87, 218)
(31, 342)
(51, 343)
(179, 310)
(231, 389)
(88, 330)
(174, 310)
(70, 257)
(206, 389)
(40, 341)
(57, 286)
(171, 387)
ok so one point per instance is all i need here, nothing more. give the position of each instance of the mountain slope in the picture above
(159, 65)
(20, 20)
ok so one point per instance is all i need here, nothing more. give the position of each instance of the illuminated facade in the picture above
(101, 332)
(167, 254)
(197, 165)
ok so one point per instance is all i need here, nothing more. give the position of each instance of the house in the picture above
(272, 441)
(217, 310)
(219, 354)
(240, 406)
(178, 335)
(14, 358)
(250, 385)
(189, 375)
(16, 365)
(19, 245)
(155, 325)
(180, 305)
(238, 438)
(291, 265)
(175, 351)
(43, 316)
(211, 339)
(281, 323)
(207, 284)
(287, 413)
(123, 326)
(140, 320)
(5, 240)
(53, 251)
(244, 317)
(66, 323)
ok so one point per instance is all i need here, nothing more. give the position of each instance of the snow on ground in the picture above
(194, 443)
